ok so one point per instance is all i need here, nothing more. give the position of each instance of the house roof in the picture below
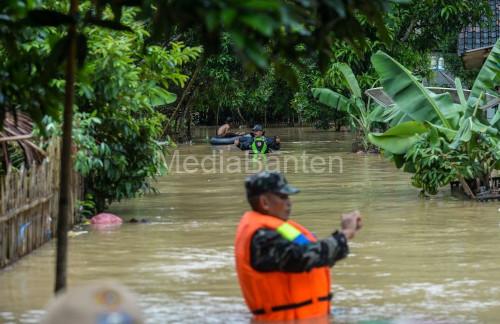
(474, 59)
(476, 37)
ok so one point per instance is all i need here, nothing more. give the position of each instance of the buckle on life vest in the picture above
(262, 311)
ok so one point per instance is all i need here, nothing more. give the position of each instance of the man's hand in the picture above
(277, 139)
(237, 142)
(351, 223)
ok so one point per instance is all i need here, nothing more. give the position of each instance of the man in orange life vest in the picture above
(283, 270)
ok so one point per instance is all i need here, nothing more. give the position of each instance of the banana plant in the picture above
(359, 112)
(460, 130)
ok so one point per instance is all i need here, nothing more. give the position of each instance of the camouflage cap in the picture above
(257, 127)
(266, 181)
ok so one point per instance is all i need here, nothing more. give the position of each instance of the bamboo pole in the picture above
(65, 178)
(14, 212)
(15, 138)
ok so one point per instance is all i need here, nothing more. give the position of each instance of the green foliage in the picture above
(435, 164)
(251, 24)
(400, 138)
(360, 113)
(15, 156)
(431, 164)
(117, 131)
(488, 78)
(162, 66)
(222, 73)
(414, 30)
(118, 155)
(23, 86)
(442, 140)
(303, 102)
(255, 95)
(424, 25)
(33, 48)
(87, 207)
(411, 97)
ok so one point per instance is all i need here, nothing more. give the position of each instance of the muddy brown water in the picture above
(416, 260)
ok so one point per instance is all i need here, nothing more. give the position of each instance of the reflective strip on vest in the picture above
(263, 148)
(292, 234)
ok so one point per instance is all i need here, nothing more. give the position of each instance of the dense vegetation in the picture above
(414, 31)
(439, 140)
(131, 61)
(147, 74)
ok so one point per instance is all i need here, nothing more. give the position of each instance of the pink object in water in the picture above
(106, 219)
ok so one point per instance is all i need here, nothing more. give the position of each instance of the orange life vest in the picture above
(279, 295)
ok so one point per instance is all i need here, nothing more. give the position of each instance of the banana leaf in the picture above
(398, 139)
(394, 116)
(409, 94)
(332, 99)
(378, 114)
(495, 121)
(488, 78)
(460, 92)
(468, 126)
(447, 132)
(350, 79)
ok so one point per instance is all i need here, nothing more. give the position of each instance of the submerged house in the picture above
(475, 42)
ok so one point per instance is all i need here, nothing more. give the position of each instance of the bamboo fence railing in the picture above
(29, 206)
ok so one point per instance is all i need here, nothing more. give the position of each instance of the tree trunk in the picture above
(66, 160)
(409, 30)
(186, 120)
(217, 119)
(241, 116)
(189, 136)
(466, 187)
(175, 115)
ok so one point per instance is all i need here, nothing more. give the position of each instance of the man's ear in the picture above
(264, 202)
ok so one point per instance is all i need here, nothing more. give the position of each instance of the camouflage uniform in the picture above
(270, 251)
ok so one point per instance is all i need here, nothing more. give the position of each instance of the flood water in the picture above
(416, 260)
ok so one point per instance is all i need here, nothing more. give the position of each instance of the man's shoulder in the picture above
(264, 234)
(261, 220)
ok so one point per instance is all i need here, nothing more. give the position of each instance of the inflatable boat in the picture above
(271, 144)
(216, 140)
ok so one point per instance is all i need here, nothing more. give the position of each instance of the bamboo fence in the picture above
(29, 200)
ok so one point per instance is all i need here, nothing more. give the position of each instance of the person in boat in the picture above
(259, 143)
(283, 269)
(225, 130)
